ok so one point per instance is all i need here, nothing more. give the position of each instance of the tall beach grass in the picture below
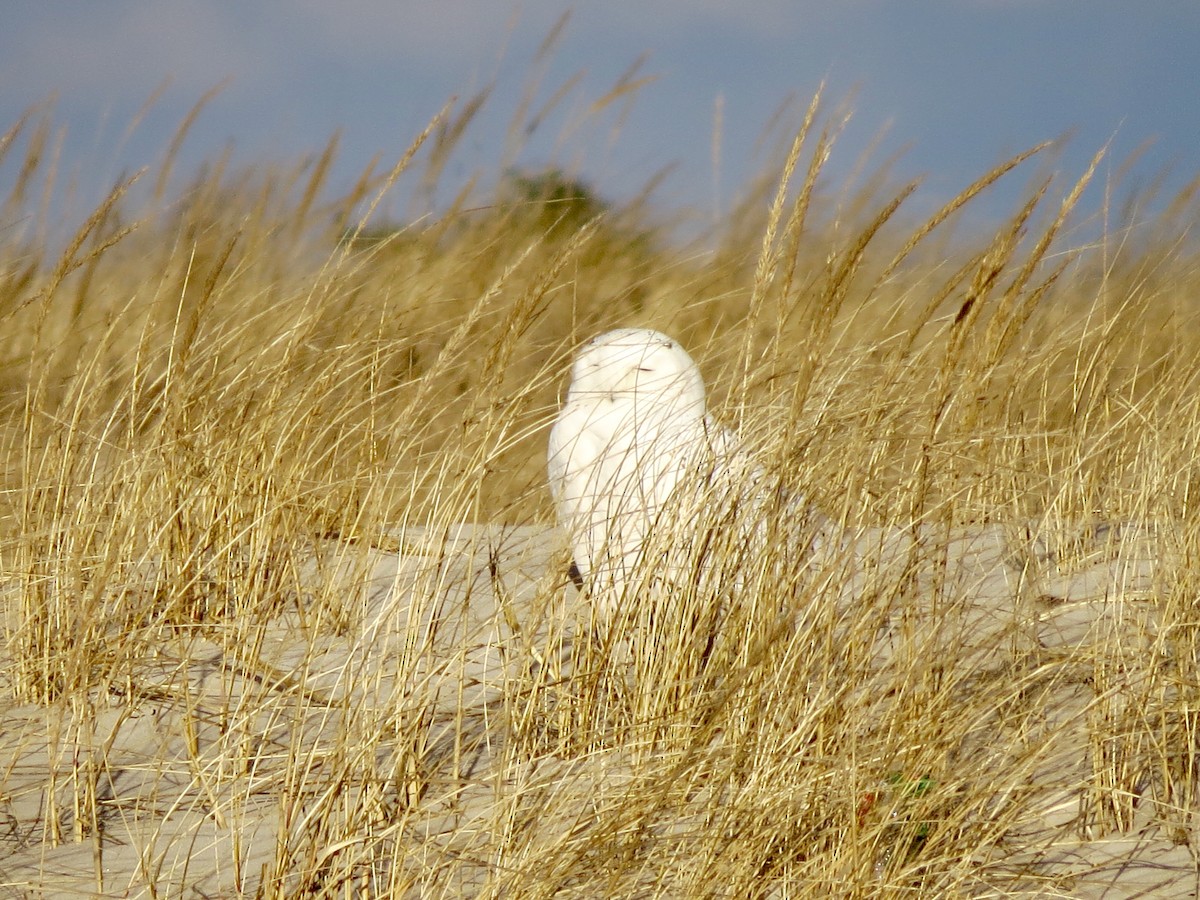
(205, 390)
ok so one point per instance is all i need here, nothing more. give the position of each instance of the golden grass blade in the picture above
(283, 611)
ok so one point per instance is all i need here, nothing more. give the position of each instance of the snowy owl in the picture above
(633, 445)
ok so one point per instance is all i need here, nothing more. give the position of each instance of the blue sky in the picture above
(955, 84)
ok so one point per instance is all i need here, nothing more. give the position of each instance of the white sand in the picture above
(454, 613)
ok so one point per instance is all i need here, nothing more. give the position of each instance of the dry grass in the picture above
(220, 410)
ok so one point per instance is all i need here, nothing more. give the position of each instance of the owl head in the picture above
(641, 365)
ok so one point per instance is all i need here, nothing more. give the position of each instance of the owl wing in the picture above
(575, 463)
(577, 444)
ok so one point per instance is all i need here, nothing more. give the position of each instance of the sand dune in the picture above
(194, 766)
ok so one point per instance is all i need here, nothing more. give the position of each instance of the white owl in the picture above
(634, 446)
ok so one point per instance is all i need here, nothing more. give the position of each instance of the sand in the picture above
(436, 634)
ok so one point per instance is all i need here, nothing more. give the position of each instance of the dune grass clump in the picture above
(226, 410)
